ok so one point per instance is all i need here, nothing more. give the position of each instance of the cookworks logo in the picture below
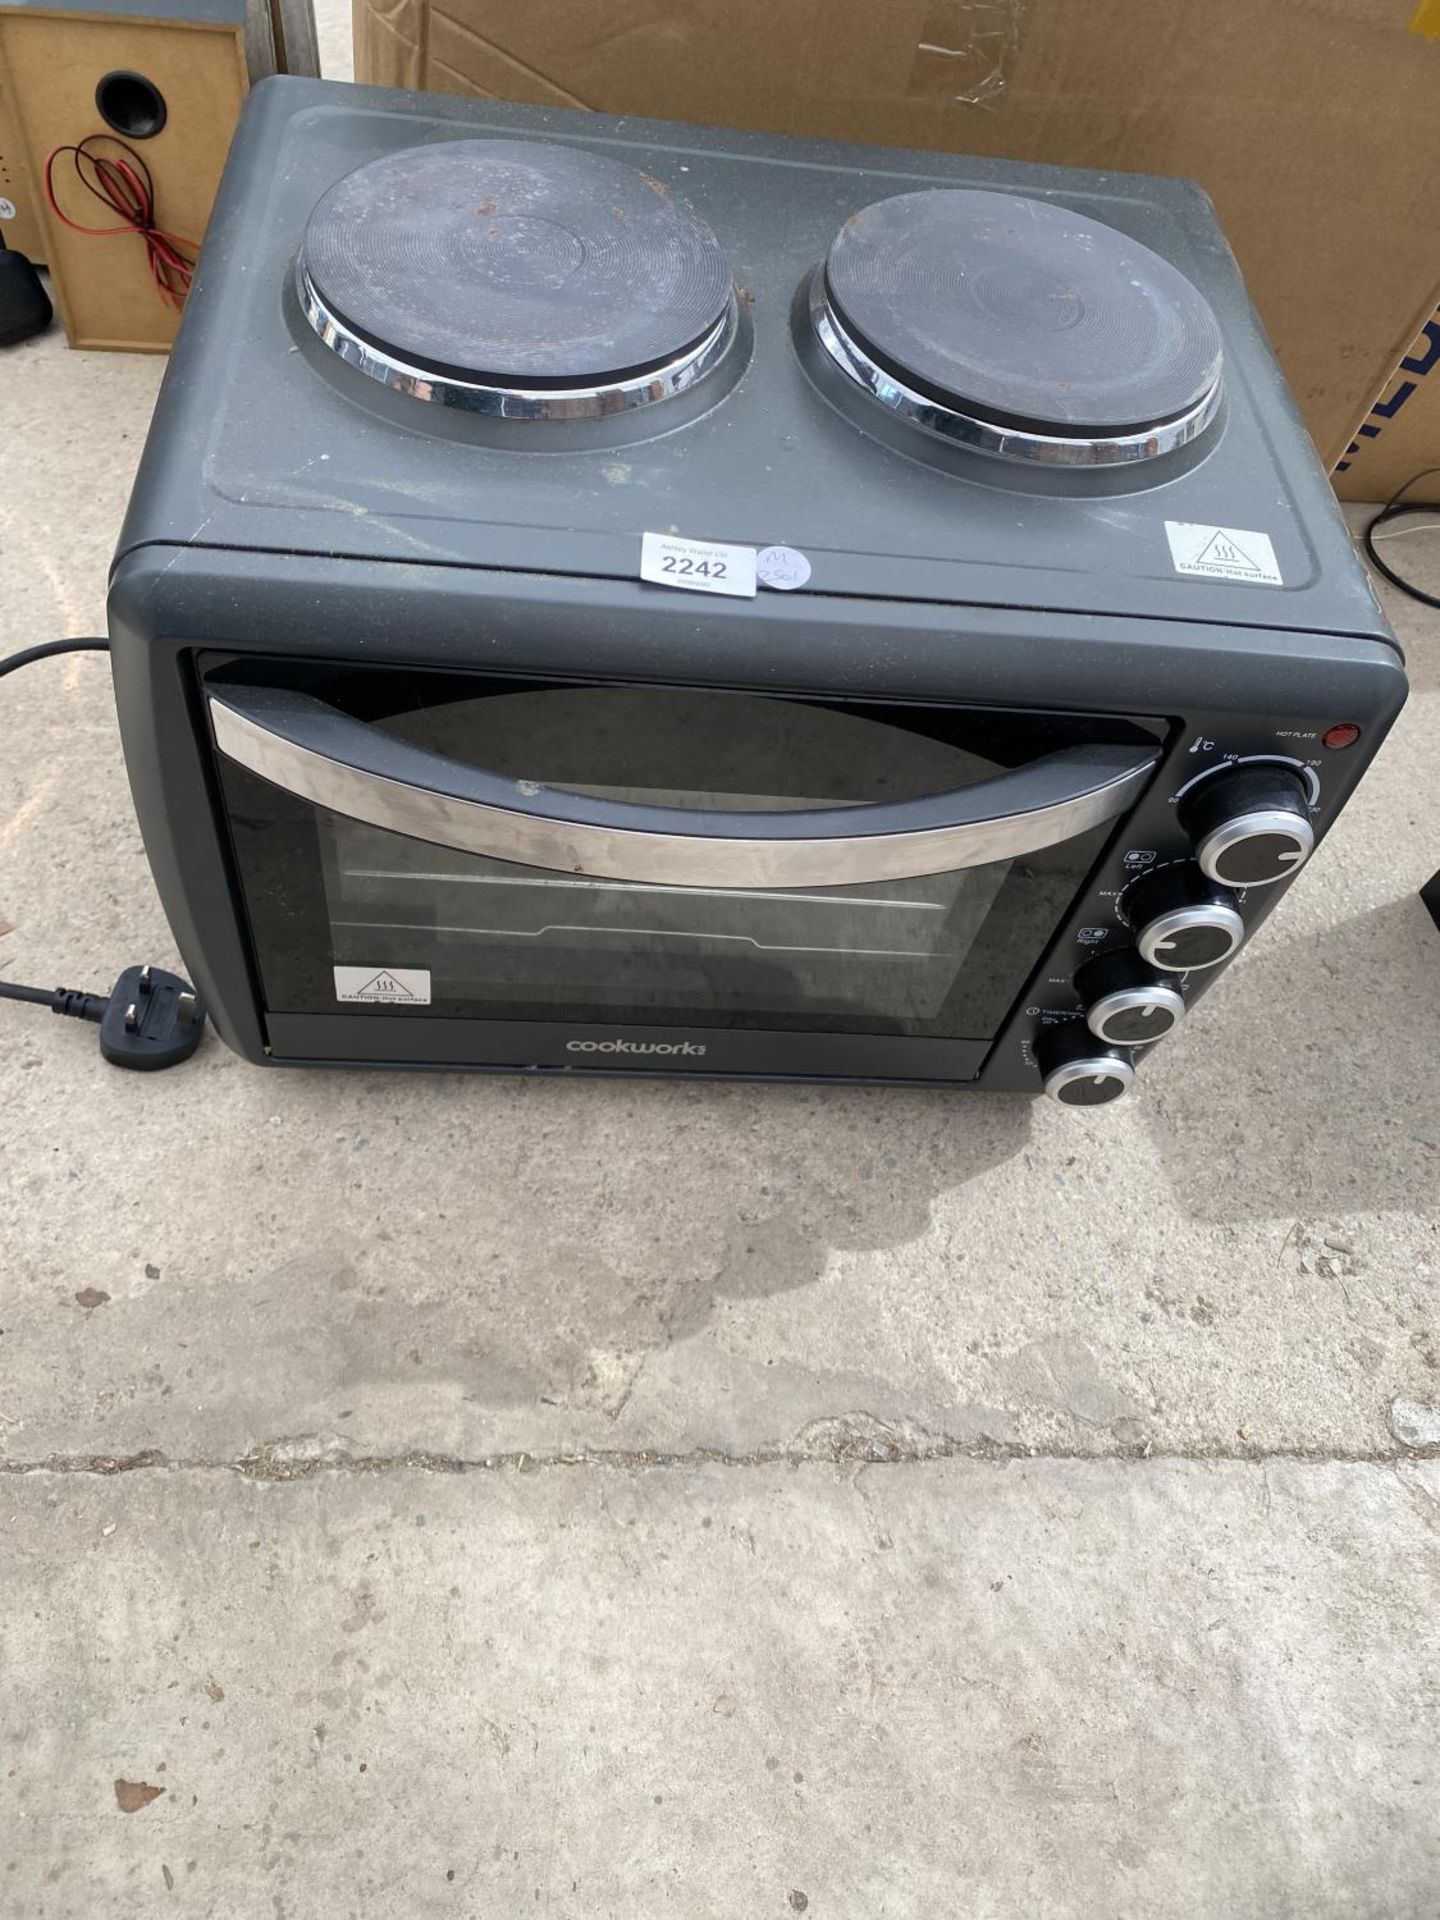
(635, 1046)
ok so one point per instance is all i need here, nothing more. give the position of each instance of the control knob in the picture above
(1183, 921)
(1079, 1069)
(1127, 1003)
(1250, 825)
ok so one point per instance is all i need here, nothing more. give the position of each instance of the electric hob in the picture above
(609, 596)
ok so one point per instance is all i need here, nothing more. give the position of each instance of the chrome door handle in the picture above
(312, 750)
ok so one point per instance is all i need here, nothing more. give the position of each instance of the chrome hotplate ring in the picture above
(984, 436)
(518, 403)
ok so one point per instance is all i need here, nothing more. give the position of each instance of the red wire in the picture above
(125, 186)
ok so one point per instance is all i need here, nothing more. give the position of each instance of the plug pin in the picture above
(145, 978)
(132, 1017)
(186, 1008)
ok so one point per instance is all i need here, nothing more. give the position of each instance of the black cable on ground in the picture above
(46, 651)
(1396, 508)
(10, 991)
(149, 1018)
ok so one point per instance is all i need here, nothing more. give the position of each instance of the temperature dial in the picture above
(1183, 921)
(1250, 826)
(1081, 1070)
(1127, 1003)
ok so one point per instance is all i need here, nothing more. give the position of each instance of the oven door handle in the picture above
(309, 749)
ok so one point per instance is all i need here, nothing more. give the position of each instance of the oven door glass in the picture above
(643, 856)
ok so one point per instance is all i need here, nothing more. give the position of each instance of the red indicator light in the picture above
(1345, 735)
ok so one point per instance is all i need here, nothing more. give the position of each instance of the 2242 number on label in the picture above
(697, 566)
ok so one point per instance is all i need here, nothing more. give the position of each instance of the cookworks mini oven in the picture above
(604, 596)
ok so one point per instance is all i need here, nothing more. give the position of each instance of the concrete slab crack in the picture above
(819, 1445)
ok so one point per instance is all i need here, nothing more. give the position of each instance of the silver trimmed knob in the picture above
(1183, 921)
(1079, 1070)
(1251, 825)
(1256, 849)
(1090, 1080)
(1134, 1016)
(1189, 939)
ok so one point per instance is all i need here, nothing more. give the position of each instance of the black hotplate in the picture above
(1022, 311)
(515, 263)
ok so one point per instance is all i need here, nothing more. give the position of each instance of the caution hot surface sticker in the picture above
(384, 986)
(1223, 553)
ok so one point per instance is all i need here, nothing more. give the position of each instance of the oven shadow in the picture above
(845, 1172)
(599, 1225)
(1306, 1083)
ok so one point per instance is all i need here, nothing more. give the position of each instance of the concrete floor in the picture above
(474, 1497)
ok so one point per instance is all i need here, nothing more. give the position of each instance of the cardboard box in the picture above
(1399, 439)
(1309, 122)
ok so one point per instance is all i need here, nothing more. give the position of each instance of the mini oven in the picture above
(606, 597)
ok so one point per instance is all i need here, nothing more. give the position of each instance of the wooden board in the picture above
(19, 189)
(53, 61)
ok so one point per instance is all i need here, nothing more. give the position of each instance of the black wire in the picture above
(9, 989)
(1396, 508)
(41, 996)
(29, 654)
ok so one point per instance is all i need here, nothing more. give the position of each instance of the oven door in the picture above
(452, 869)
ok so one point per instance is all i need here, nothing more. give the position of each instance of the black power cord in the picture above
(149, 1018)
(13, 662)
(1395, 508)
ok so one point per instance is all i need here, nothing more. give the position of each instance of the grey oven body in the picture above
(429, 775)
